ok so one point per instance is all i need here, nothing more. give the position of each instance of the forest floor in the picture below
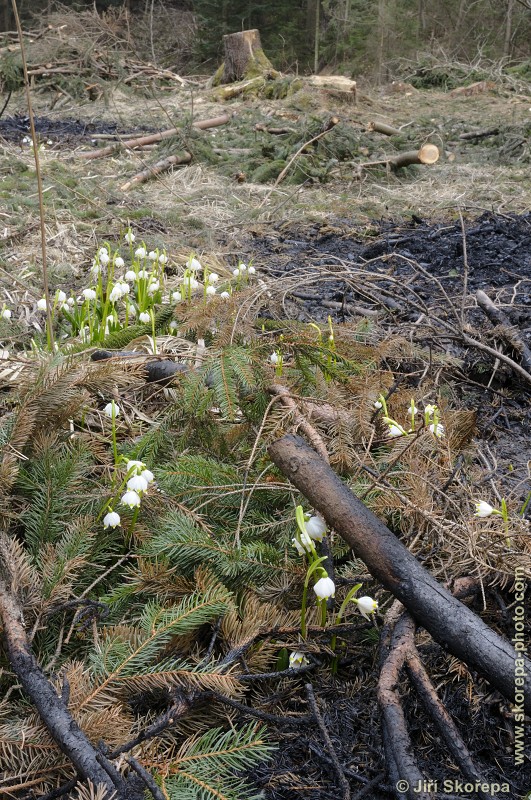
(399, 255)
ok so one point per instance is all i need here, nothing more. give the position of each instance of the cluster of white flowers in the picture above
(139, 478)
(394, 428)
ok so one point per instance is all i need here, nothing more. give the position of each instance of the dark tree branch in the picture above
(62, 727)
(451, 623)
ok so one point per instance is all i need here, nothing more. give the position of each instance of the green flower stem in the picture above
(153, 331)
(114, 445)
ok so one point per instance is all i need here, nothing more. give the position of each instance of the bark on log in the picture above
(62, 727)
(427, 154)
(382, 127)
(244, 57)
(450, 623)
(156, 169)
(154, 137)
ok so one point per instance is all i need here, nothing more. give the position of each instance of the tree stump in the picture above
(244, 58)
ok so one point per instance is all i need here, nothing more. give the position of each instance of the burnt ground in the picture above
(413, 275)
(60, 132)
(419, 277)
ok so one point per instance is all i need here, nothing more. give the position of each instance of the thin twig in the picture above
(341, 779)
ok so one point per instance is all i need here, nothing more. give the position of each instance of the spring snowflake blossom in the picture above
(112, 409)
(137, 484)
(297, 660)
(131, 499)
(366, 606)
(111, 520)
(316, 528)
(483, 509)
(325, 588)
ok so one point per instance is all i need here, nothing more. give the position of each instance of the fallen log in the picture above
(153, 137)
(156, 169)
(427, 154)
(382, 127)
(454, 626)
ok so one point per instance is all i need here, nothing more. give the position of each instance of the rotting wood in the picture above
(156, 169)
(140, 141)
(450, 623)
(479, 134)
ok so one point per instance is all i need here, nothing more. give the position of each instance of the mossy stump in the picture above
(244, 58)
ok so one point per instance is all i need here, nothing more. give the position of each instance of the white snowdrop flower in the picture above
(116, 293)
(429, 409)
(377, 405)
(95, 269)
(152, 255)
(176, 297)
(130, 275)
(110, 319)
(103, 252)
(119, 262)
(112, 408)
(163, 258)
(251, 270)
(194, 264)
(225, 295)
(137, 466)
(111, 520)
(236, 272)
(366, 606)
(129, 236)
(190, 282)
(153, 287)
(274, 358)
(137, 483)
(316, 528)
(210, 290)
(143, 275)
(325, 588)
(396, 430)
(26, 140)
(413, 409)
(213, 277)
(125, 288)
(65, 307)
(84, 333)
(140, 252)
(131, 499)
(144, 317)
(242, 267)
(147, 475)
(60, 296)
(71, 302)
(437, 430)
(5, 313)
(41, 304)
(131, 310)
(89, 294)
(173, 326)
(483, 509)
(301, 550)
(297, 660)
(104, 258)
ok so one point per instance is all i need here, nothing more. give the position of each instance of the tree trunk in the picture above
(461, 632)
(244, 57)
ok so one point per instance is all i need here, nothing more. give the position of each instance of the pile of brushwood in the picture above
(246, 553)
